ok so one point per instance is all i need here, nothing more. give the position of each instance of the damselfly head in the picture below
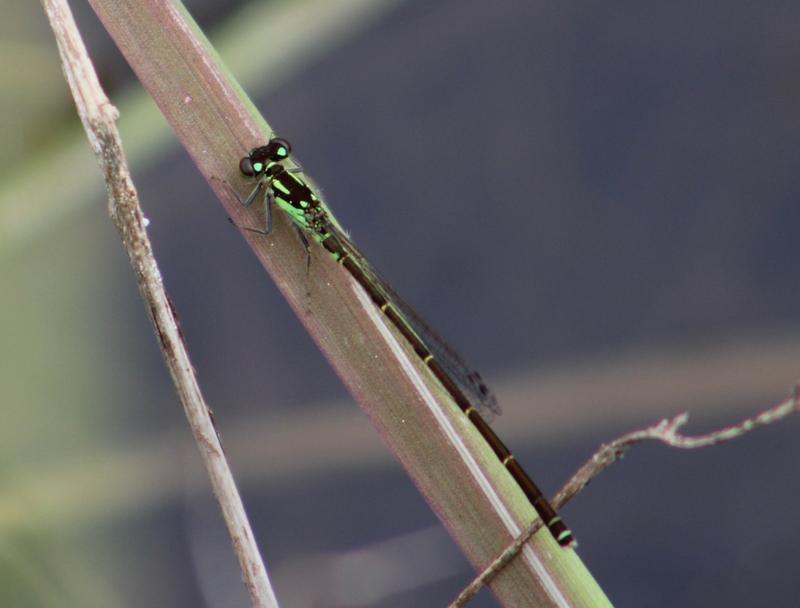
(257, 161)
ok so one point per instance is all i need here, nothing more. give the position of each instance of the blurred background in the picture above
(596, 203)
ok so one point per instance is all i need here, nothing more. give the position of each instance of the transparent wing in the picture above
(466, 378)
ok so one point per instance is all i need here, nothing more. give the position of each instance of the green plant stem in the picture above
(472, 494)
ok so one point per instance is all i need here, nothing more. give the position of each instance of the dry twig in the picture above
(665, 431)
(98, 117)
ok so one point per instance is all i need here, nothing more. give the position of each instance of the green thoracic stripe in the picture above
(276, 183)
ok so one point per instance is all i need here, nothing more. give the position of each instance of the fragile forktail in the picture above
(466, 387)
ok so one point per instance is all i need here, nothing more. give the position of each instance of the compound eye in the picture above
(280, 149)
(247, 168)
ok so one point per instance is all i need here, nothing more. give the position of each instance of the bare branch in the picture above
(665, 431)
(98, 117)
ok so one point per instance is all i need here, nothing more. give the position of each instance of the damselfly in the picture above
(292, 194)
